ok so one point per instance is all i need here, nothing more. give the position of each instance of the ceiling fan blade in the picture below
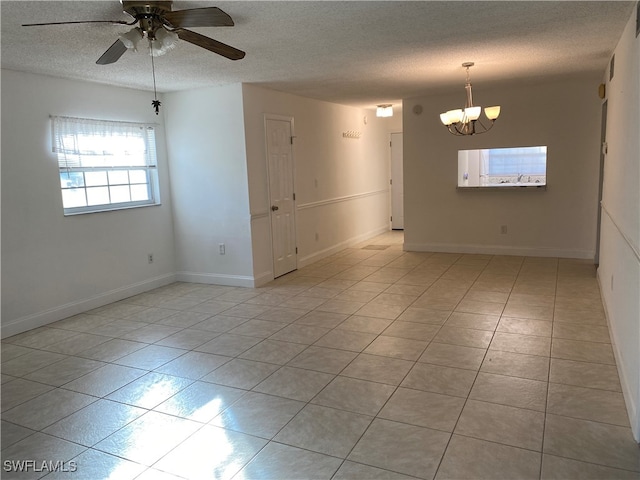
(210, 44)
(113, 22)
(113, 53)
(199, 17)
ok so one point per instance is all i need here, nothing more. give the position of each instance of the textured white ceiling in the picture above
(354, 52)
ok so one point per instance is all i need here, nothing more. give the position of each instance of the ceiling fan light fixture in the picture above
(163, 42)
(132, 38)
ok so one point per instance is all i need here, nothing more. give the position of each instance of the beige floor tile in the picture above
(424, 409)
(48, 408)
(30, 362)
(524, 344)
(558, 468)
(357, 323)
(412, 330)
(258, 328)
(321, 359)
(582, 374)
(512, 426)
(272, 351)
(425, 315)
(516, 365)
(148, 438)
(322, 319)
(200, 401)
(41, 446)
(324, 430)
(346, 340)
(379, 310)
(104, 380)
(396, 347)
(304, 334)
(466, 337)
(585, 333)
(150, 390)
(351, 470)
(588, 404)
(294, 383)
(512, 391)
(18, 391)
(535, 312)
(104, 416)
(228, 344)
(187, 339)
(378, 369)
(211, 449)
(481, 460)
(258, 414)
(582, 351)
(477, 321)
(354, 395)
(240, 373)
(522, 326)
(218, 323)
(453, 356)
(439, 379)
(276, 462)
(93, 464)
(593, 442)
(401, 448)
(480, 307)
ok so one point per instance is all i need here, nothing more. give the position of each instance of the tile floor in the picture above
(371, 364)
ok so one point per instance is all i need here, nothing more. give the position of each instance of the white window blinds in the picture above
(88, 143)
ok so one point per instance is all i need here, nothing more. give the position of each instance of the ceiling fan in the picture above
(160, 25)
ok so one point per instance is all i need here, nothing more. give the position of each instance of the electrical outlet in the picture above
(317, 236)
(503, 229)
(611, 282)
(150, 257)
(221, 248)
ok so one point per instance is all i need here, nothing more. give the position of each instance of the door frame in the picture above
(391, 179)
(603, 155)
(291, 120)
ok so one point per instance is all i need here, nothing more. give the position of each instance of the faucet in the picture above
(520, 175)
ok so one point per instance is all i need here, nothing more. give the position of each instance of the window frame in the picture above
(72, 152)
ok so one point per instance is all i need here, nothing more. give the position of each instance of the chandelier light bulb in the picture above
(467, 121)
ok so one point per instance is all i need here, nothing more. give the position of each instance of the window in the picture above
(105, 165)
(503, 167)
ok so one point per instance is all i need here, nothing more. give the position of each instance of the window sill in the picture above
(72, 212)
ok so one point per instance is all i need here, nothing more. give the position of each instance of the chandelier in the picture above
(466, 121)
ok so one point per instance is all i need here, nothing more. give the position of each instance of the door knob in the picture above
(274, 208)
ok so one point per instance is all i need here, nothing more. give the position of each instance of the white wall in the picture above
(560, 221)
(619, 271)
(55, 266)
(208, 168)
(342, 184)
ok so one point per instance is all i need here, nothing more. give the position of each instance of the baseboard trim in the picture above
(54, 314)
(216, 279)
(314, 257)
(629, 398)
(499, 250)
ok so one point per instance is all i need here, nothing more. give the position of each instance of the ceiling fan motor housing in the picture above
(147, 13)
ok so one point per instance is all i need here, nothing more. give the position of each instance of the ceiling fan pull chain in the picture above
(156, 103)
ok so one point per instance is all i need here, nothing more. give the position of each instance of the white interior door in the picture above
(282, 197)
(397, 183)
